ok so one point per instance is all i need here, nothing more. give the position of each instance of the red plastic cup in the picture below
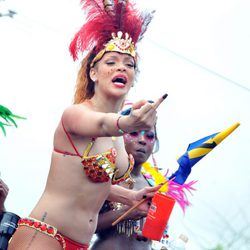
(158, 216)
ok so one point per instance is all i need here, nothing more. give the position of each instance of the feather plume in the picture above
(100, 24)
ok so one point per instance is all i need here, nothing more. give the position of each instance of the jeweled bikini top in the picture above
(100, 167)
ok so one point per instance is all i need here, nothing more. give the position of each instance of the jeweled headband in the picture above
(111, 25)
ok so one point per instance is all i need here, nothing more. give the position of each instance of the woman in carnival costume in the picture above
(127, 234)
(86, 161)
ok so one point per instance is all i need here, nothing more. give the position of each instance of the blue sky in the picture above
(196, 51)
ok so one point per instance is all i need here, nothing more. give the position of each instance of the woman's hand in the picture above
(140, 199)
(4, 190)
(147, 194)
(143, 116)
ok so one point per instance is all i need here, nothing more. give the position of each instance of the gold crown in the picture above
(117, 44)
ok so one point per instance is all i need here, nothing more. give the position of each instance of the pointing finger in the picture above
(159, 101)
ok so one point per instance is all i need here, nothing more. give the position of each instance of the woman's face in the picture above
(140, 144)
(115, 73)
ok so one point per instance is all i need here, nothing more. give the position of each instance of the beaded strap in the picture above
(127, 174)
(43, 228)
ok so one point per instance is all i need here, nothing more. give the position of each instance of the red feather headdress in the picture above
(111, 25)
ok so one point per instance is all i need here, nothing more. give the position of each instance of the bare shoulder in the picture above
(75, 109)
(75, 112)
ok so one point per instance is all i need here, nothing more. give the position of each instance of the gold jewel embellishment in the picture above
(117, 44)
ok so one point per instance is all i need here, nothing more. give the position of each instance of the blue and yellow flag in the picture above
(196, 151)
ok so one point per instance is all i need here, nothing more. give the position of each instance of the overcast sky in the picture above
(196, 51)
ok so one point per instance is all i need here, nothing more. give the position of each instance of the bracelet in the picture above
(118, 127)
